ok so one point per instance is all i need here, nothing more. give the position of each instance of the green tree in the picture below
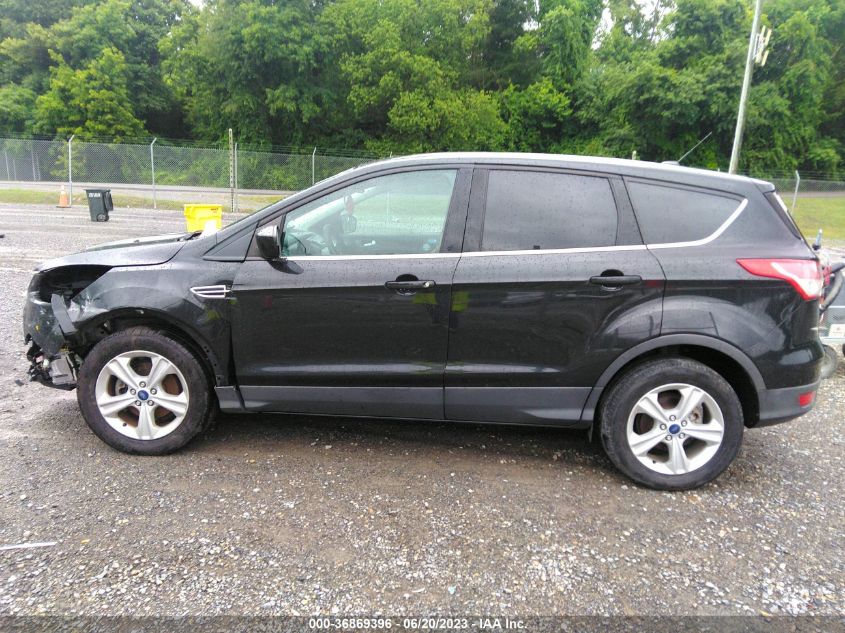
(16, 105)
(536, 116)
(586, 76)
(251, 66)
(93, 102)
(408, 68)
(502, 63)
(78, 33)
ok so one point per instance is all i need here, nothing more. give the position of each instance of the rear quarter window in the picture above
(673, 214)
(780, 207)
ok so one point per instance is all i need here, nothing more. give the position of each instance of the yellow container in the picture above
(199, 215)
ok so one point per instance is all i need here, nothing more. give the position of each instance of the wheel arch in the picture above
(728, 361)
(91, 332)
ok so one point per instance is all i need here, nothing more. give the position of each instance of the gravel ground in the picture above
(292, 515)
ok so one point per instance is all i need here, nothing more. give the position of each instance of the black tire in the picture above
(829, 362)
(622, 397)
(101, 217)
(200, 404)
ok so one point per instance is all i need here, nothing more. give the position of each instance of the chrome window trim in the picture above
(334, 258)
(560, 251)
(550, 251)
(706, 240)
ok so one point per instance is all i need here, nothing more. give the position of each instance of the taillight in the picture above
(805, 275)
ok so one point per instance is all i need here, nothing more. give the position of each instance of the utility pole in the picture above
(756, 54)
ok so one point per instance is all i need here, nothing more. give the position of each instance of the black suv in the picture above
(667, 307)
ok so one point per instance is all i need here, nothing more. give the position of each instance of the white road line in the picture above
(4, 548)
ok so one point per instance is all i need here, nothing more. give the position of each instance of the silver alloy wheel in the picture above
(675, 429)
(142, 395)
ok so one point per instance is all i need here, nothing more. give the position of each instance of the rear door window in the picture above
(672, 214)
(529, 210)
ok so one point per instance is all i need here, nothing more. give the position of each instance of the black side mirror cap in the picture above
(269, 241)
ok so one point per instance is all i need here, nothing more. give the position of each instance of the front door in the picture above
(354, 319)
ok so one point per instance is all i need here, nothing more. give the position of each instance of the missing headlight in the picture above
(67, 281)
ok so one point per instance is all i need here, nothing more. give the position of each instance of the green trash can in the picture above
(99, 204)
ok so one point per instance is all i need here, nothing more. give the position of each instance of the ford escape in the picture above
(665, 308)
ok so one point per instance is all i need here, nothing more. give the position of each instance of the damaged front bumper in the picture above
(60, 371)
(46, 328)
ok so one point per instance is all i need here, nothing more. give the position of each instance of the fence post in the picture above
(313, 161)
(153, 168)
(8, 173)
(795, 195)
(70, 169)
(237, 202)
(231, 170)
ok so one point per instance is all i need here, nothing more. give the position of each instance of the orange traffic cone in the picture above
(63, 199)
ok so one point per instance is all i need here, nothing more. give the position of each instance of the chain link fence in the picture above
(792, 186)
(168, 174)
(164, 174)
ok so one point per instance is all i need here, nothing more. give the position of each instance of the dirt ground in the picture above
(292, 515)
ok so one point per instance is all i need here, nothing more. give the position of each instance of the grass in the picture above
(828, 213)
(26, 196)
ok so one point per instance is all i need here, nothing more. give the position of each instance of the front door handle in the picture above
(616, 281)
(415, 284)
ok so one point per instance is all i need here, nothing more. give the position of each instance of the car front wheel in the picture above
(671, 424)
(143, 392)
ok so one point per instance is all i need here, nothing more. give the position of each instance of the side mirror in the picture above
(818, 243)
(348, 223)
(269, 241)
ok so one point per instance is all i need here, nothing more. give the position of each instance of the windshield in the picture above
(250, 214)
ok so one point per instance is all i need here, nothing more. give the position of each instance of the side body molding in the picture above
(718, 345)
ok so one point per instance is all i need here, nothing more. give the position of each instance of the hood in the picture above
(135, 241)
(142, 251)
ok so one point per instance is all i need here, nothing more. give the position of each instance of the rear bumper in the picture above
(783, 405)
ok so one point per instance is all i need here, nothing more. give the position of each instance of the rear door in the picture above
(554, 283)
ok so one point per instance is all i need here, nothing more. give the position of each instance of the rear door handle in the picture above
(409, 285)
(615, 281)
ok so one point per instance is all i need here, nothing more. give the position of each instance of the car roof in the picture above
(634, 168)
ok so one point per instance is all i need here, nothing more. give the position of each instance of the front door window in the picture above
(397, 214)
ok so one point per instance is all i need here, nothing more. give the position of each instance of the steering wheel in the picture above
(314, 244)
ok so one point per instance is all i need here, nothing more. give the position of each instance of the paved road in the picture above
(275, 514)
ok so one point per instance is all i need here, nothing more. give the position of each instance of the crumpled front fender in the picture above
(161, 294)
(42, 326)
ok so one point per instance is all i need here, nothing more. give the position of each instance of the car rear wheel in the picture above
(143, 392)
(671, 424)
